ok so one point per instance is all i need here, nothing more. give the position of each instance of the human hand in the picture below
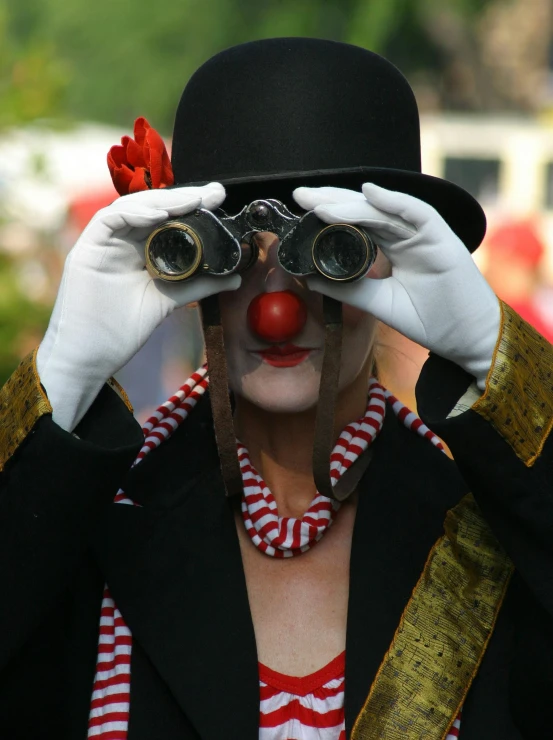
(108, 304)
(436, 295)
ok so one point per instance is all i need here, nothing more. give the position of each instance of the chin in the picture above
(280, 390)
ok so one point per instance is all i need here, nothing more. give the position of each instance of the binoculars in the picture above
(207, 243)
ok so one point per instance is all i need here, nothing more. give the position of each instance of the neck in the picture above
(281, 445)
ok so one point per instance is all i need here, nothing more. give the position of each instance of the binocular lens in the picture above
(342, 252)
(174, 252)
(212, 244)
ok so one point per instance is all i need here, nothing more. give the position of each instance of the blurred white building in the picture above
(43, 169)
(506, 162)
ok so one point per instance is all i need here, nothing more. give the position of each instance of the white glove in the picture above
(108, 304)
(436, 295)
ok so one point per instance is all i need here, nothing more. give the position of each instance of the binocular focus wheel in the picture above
(173, 272)
(359, 263)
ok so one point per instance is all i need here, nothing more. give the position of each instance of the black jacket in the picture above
(174, 569)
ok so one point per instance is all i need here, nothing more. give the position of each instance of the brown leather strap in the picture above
(219, 395)
(328, 392)
(326, 409)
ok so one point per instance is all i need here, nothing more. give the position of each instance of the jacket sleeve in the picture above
(54, 486)
(503, 444)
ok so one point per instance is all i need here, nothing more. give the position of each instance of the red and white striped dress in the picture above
(307, 708)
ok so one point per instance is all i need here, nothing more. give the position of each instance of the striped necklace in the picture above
(284, 537)
(274, 535)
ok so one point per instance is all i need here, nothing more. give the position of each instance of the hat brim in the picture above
(458, 208)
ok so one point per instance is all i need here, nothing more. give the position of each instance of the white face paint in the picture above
(295, 388)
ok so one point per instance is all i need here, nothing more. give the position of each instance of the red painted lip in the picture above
(284, 356)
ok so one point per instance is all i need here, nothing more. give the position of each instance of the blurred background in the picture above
(74, 76)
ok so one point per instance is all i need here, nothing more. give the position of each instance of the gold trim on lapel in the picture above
(442, 636)
(518, 401)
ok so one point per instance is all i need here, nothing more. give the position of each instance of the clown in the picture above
(296, 559)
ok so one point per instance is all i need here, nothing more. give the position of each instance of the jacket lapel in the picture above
(174, 568)
(403, 499)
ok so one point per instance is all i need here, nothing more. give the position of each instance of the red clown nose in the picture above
(277, 317)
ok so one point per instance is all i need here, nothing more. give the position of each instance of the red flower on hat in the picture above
(140, 163)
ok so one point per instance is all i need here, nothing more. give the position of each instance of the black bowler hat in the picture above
(268, 116)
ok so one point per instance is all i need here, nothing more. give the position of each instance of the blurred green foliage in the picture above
(33, 75)
(112, 61)
(20, 319)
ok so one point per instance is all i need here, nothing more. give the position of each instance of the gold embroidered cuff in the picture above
(442, 636)
(22, 403)
(518, 400)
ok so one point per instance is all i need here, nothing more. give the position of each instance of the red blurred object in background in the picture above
(518, 241)
(83, 207)
(278, 316)
(515, 252)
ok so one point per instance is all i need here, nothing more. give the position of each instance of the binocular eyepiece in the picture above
(207, 243)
